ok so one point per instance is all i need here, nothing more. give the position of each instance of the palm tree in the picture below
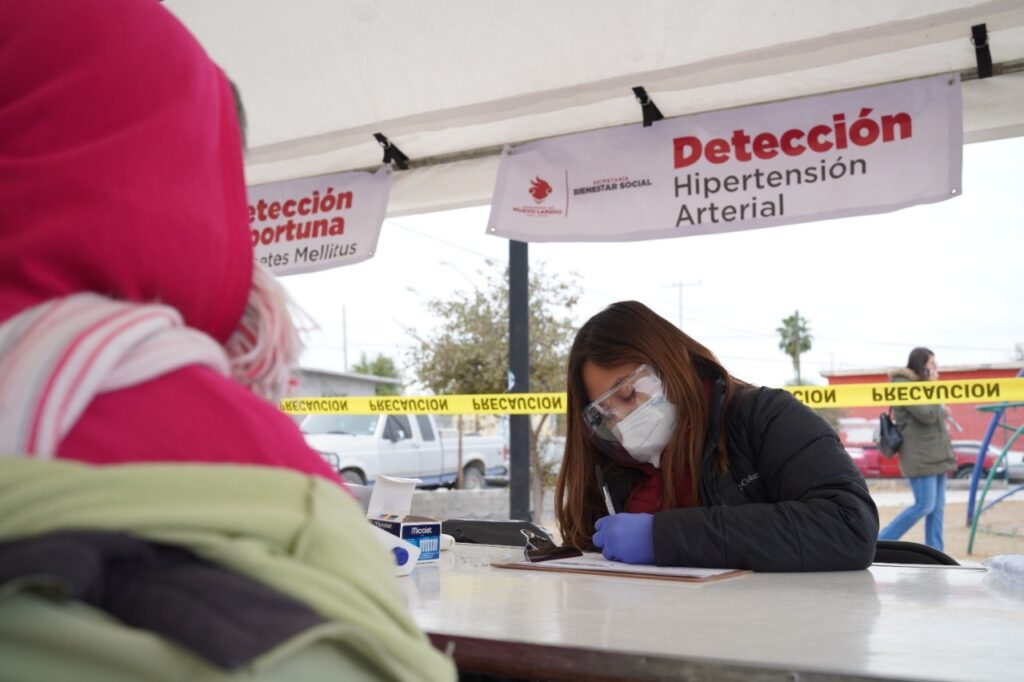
(795, 338)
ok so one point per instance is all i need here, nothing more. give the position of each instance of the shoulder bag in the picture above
(890, 438)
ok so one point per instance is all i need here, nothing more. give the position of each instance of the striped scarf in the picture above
(57, 356)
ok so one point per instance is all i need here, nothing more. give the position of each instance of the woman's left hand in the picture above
(626, 537)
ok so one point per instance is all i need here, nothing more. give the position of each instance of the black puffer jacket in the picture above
(792, 501)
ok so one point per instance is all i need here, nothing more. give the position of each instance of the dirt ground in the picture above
(1000, 529)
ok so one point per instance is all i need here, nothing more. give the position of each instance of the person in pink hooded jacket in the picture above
(161, 517)
(134, 325)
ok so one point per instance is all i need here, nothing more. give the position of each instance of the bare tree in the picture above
(469, 352)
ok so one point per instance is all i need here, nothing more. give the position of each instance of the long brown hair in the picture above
(630, 332)
(917, 360)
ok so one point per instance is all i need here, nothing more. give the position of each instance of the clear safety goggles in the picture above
(618, 402)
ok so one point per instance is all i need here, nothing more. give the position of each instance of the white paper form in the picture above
(594, 562)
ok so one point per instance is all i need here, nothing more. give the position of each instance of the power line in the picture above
(904, 344)
(489, 259)
(702, 320)
(679, 286)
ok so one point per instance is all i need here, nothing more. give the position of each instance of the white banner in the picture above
(320, 222)
(863, 151)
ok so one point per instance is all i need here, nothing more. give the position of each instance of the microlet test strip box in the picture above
(421, 531)
(388, 509)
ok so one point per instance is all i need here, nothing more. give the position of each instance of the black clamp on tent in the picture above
(647, 105)
(392, 153)
(979, 38)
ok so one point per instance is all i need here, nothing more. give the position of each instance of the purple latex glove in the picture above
(626, 537)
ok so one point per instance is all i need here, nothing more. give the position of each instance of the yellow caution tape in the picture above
(839, 395)
(499, 403)
(911, 393)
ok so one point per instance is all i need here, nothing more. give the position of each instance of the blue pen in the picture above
(604, 490)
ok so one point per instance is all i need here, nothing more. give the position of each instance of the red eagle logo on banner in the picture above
(539, 189)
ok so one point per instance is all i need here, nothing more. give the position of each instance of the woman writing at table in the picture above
(701, 468)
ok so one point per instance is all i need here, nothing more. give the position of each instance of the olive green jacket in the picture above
(302, 535)
(926, 448)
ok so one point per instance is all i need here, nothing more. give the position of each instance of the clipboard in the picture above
(593, 563)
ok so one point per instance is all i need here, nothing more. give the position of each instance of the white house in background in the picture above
(323, 382)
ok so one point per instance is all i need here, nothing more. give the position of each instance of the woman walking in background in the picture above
(926, 455)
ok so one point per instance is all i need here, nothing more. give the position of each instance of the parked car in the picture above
(551, 452)
(361, 447)
(1014, 458)
(873, 464)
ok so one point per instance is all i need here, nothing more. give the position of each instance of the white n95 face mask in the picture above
(633, 414)
(647, 430)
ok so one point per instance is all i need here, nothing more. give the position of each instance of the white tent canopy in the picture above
(451, 82)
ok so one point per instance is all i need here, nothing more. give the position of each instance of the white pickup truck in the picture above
(361, 447)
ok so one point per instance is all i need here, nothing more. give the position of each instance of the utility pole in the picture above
(344, 339)
(679, 286)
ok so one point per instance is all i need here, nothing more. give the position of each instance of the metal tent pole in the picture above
(519, 366)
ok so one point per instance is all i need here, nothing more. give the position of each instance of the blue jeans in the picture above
(929, 502)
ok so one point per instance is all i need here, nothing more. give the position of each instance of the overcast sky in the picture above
(949, 276)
